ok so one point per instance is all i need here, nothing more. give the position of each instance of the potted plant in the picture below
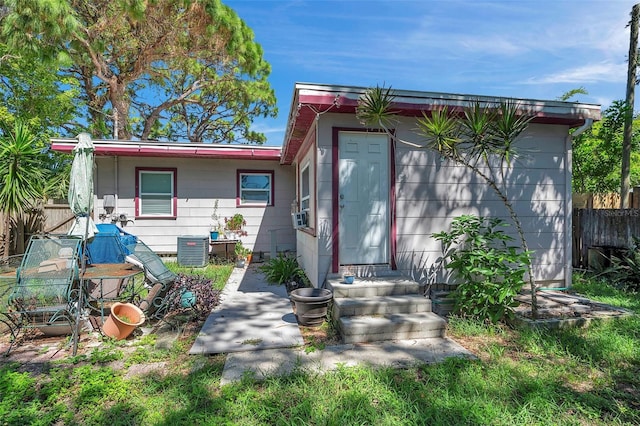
(122, 320)
(348, 275)
(216, 225)
(242, 253)
(234, 225)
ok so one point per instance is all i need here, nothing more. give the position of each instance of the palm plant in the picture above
(481, 138)
(21, 175)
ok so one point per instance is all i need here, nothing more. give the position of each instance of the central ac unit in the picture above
(193, 250)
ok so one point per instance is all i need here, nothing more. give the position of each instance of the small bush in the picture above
(624, 272)
(490, 273)
(206, 297)
(283, 270)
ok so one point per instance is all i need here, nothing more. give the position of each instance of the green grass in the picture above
(217, 273)
(522, 377)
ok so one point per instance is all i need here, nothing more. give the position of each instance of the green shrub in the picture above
(283, 270)
(490, 273)
(624, 272)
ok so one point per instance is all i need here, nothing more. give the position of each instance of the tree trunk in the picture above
(625, 184)
(120, 110)
(6, 234)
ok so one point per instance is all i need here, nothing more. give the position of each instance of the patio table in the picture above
(108, 279)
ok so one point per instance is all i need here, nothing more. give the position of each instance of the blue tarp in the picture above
(109, 245)
(110, 228)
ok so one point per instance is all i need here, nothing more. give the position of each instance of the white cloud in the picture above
(607, 72)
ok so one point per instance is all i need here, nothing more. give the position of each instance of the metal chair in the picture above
(45, 293)
(159, 277)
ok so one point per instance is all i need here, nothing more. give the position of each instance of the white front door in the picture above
(363, 198)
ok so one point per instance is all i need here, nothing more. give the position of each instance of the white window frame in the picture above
(269, 174)
(305, 199)
(141, 194)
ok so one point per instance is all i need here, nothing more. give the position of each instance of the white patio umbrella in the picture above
(81, 203)
(81, 188)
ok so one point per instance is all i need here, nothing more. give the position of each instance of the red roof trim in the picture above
(148, 150)
(310, 100)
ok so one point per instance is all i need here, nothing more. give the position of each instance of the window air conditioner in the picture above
(299, 219)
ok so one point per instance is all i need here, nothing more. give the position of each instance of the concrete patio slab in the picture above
(252, 315)
(399, 354)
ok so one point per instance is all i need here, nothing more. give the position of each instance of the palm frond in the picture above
(509, 123)
(374, 107)
(441, 131)
(21, 175)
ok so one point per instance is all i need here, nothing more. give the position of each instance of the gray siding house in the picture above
(374, 202)
(361, 199)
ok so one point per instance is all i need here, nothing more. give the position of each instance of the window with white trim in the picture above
(255, 188)
(305, 188)
(156, 193)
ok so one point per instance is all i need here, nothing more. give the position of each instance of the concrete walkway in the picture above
(254, 324)
(252, 315)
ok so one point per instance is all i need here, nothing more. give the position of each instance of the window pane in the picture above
(156, 205)
(159, 183)
(156, 193)
(255, 188)
(305, 182)
(256, 182)
(255, 196)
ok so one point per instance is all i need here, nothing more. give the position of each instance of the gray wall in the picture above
(430, 193)
(199, 183)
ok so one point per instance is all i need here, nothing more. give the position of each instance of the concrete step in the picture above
(419, 325)
(399, 304)
(371, 287)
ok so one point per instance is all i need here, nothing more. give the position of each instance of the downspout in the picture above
(115, 186)
(568, 202)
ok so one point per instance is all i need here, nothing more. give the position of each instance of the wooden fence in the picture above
(601, 232)
(605, 201)
(47, 218)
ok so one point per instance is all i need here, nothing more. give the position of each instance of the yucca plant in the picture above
(624, 272)
(283, 270)
(374, 107)
(21, 174)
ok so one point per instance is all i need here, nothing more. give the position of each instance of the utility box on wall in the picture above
(193, 250)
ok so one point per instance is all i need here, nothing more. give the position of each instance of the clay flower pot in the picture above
(124, 318)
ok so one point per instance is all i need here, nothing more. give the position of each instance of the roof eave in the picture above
(176, 150)
(311, 99)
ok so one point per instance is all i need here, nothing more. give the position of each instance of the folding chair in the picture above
(159, 277)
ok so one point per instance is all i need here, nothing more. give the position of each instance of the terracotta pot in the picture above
(118, 329)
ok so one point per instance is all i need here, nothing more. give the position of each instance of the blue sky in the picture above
(526, 49)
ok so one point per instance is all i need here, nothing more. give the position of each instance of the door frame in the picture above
(335, 183)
